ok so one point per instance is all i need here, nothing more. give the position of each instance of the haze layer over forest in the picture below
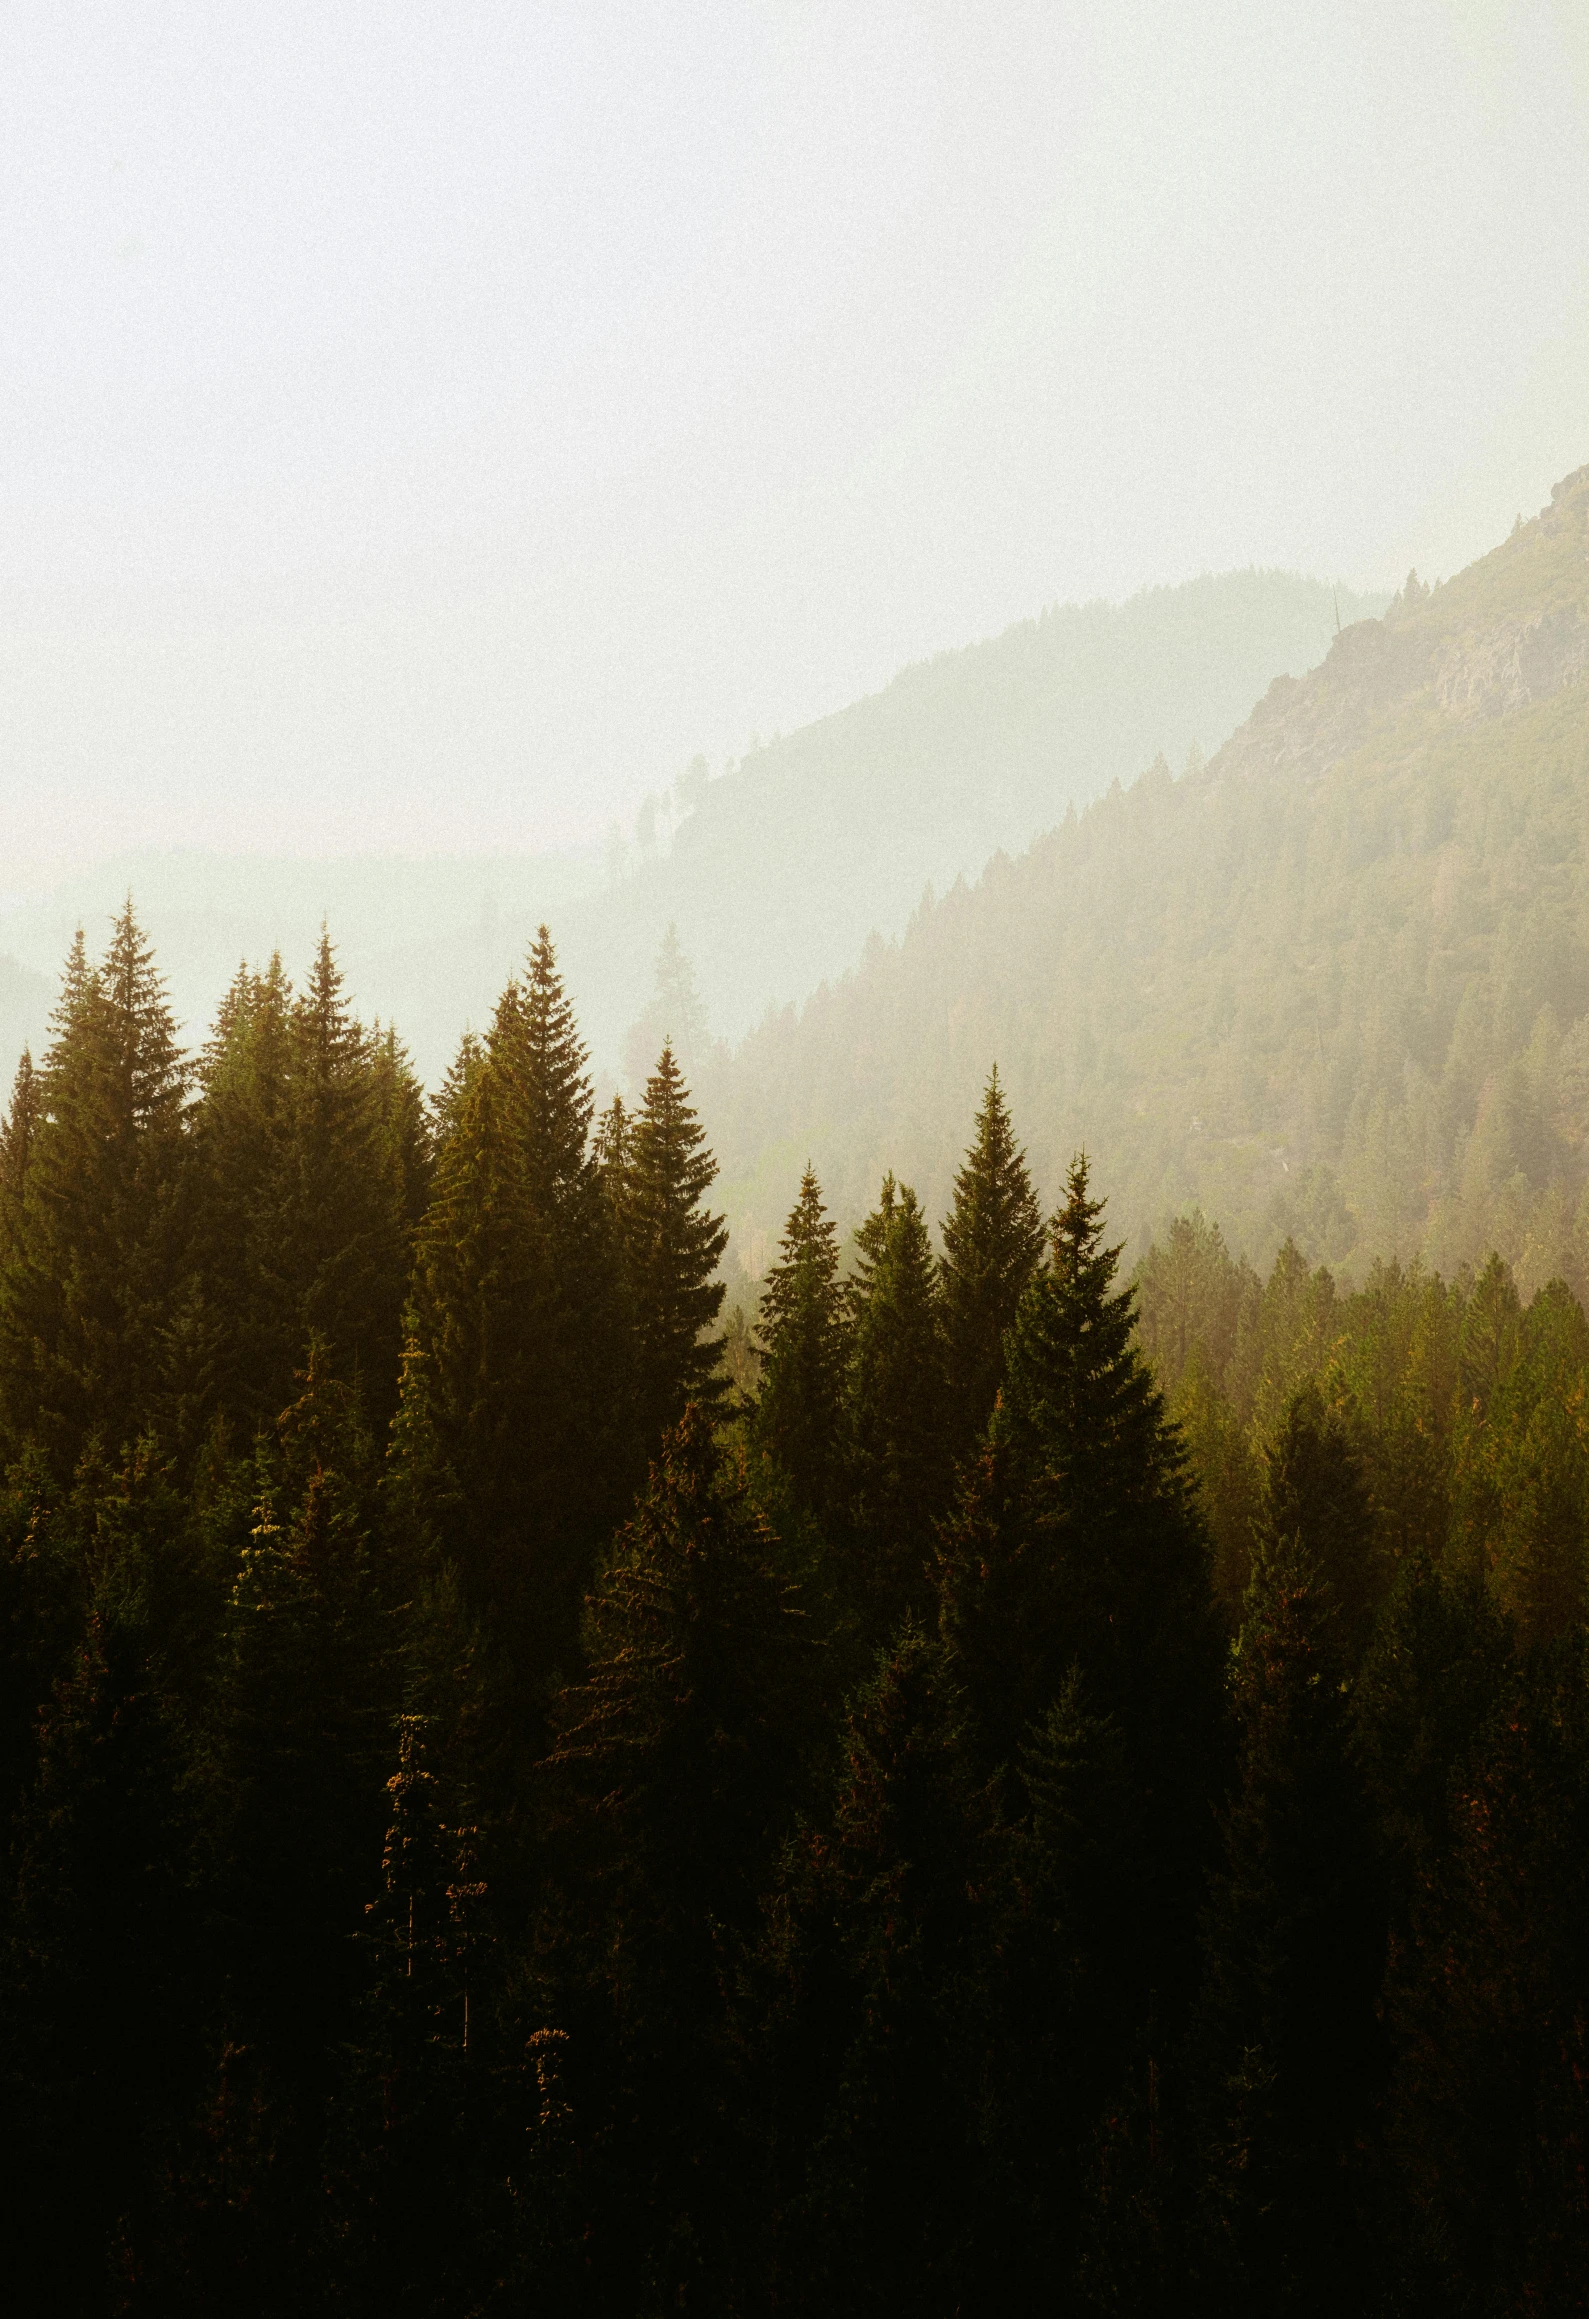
(1334, 984)
(775, 872)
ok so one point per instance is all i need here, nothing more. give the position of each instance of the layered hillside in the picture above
(1334, 983)
(786, 864)
(778, 869)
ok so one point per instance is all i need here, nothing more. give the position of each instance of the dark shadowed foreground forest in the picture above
(987, 1788)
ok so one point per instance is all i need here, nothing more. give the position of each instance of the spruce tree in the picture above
(17, 1135)
(899, 1453)
(803, 1341)
(993, 1241)
(1077, 1545)
(240, 1370)
(97, 1260)
(354, 1177)
(518, 1314)
(675, 1018)
(310, 1161)
(672, 1245)
(448, 1103)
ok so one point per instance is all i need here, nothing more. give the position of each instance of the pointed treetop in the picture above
(803, 1337)
(19, 1128)
(536, 1042)
(1076, 1376)
(327, 1028)
(674, 1247)
(809, 1248)
(465, 1068)
(993, 1241)
(614, 1147)
(141, 1027)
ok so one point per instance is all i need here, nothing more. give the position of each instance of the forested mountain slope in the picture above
(1335, 983)
(783, 866)
(777, 870)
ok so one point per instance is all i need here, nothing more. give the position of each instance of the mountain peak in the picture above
(1503, 636)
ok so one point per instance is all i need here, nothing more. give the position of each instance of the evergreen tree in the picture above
(675, 1767)
(1314, 1492)
(448, 1104)
(672, 1245)
(899, 1450)
(1092, 1551)
(1487, 2116)
(1077, 1546)
(1290, 2052)
(423, 2215)
(17, 1136)
(352, 1186)
(518, 1315)
(676, 1017)
(311, 1155)
(803, 1344)
(993, 1241)
(96, 1261)
(241, 1367)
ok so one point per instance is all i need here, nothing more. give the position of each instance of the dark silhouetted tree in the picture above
(993, 1242)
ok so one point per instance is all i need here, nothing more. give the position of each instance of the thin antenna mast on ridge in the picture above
(1335, 595)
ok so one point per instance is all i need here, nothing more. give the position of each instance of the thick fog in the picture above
(426, 432)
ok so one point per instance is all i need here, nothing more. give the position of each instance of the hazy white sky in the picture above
(427, 427)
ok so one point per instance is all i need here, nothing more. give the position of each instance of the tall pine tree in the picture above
(1078, 1546)
(96, 1261)
(897, 1405)
(518, 1317)
(804, 1344)
(672, 1246)
(993, 1242)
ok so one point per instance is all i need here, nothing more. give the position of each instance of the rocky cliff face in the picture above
(1505, 635)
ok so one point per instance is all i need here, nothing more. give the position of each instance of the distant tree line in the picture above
(1007, 1790)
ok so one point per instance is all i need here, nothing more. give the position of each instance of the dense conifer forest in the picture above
(986, 1786)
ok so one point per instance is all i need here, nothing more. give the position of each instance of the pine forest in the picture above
(988, 1781)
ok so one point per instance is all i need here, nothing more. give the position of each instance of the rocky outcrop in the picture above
(1508, 634)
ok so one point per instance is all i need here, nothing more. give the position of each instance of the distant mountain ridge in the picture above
(782, 867)
(1335, 983)
(819, 839)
